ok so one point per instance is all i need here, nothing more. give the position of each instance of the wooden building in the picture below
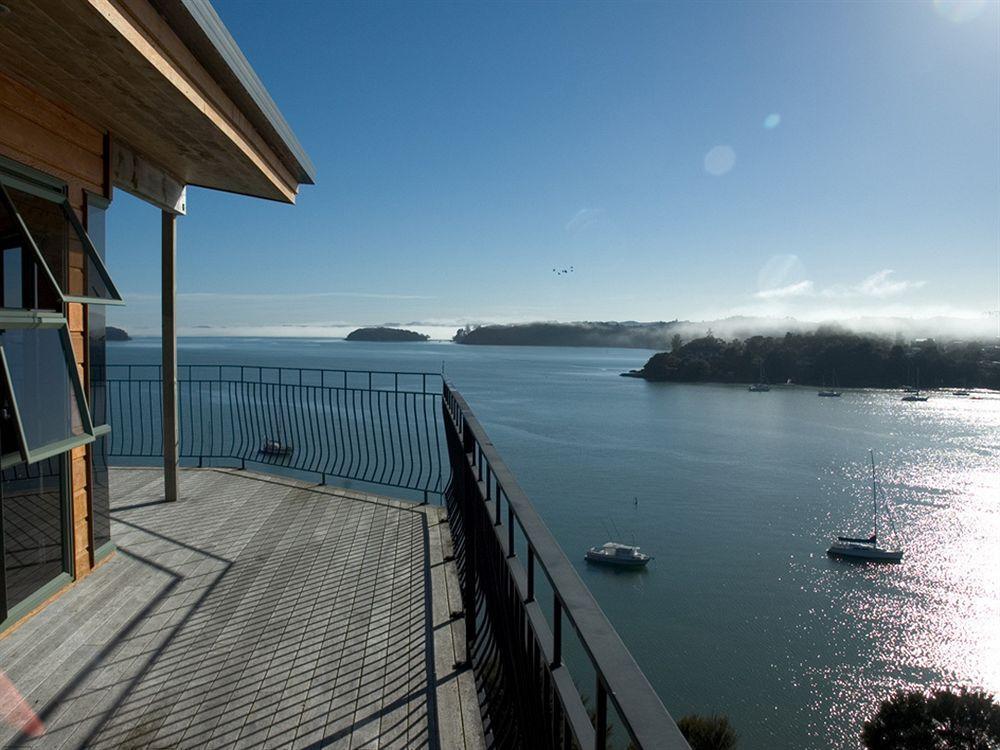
(145, 96)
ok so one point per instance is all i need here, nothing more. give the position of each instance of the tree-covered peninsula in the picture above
(828, 357)
(626, 335)
(382, 333)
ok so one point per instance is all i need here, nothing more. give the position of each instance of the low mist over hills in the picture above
(660, 334)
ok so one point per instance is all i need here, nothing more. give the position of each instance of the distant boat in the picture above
(960, 392)
(830, 392)
(276, 448)
(760, 386)
(866, 548)
(621, 555)
(913, 392)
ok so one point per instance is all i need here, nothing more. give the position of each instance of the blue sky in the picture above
(688, 160)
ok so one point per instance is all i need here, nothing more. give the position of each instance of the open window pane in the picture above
(67, 251)
(24, 282)
(43, 387)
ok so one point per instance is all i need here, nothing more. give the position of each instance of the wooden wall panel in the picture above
(40, 134)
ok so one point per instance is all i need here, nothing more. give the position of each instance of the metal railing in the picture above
(528, 695)
(379, 428)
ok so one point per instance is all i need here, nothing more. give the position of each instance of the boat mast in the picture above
(874, 495)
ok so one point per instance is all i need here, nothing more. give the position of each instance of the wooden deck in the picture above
(255, 612)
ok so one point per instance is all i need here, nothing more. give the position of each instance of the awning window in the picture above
(43, 410)
(44, 227)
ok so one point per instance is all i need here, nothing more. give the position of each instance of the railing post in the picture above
(601, 728)
(556, 632)
(510, 530)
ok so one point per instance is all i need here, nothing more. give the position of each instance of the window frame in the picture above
(32, 320)
(57, 196)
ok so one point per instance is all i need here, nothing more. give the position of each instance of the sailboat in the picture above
(913, 392)
(760, 386)
(830, 392)
(867, 548)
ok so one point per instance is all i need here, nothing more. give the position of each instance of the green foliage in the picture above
(819, 358)
(942, 720)
(712, 732)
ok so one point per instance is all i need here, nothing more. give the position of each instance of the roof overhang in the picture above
(164, 77)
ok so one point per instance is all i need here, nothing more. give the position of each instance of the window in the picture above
(51, 250)
(43, 410)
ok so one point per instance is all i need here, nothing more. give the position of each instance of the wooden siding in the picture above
(40, 134)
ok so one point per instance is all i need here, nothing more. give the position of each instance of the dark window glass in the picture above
(25, 283)
(33, 529)
(42, 385)
(100, 492)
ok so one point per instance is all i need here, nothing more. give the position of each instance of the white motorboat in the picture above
(867, 548)
(622, 555)
(276, 448)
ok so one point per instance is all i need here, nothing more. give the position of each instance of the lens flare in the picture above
(959, 11)
(772, 121)
(719, 160)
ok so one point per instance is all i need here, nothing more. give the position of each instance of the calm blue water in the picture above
(738, 494)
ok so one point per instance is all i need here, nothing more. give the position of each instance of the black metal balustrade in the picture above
(380, 428)
(529, 698)
(526, 610)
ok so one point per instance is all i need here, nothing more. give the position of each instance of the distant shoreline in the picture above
(829, 359)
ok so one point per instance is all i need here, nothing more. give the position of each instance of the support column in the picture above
(169, 302)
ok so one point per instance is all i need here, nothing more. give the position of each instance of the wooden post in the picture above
(168, 302)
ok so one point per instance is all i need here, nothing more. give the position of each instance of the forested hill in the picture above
(384, 333)
(611, 334)
(817, 358)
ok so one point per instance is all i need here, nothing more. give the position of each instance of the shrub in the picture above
(942, 720)
(707, 732)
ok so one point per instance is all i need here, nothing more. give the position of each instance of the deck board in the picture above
(256, 612)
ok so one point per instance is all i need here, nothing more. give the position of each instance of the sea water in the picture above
(737, 495)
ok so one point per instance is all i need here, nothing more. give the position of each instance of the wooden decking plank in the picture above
(253, 612)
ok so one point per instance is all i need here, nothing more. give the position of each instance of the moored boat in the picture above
(867, 548)
(621, 555)
(276, 448)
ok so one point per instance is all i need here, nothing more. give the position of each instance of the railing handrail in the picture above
(185, 374)
(637, 703)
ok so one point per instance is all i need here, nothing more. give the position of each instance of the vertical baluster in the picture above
(531, 574)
